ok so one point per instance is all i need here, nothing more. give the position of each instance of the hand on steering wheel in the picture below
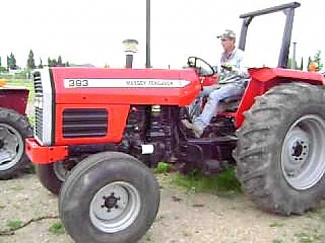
(227, 67)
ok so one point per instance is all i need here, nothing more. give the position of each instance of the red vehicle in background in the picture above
(14, 129)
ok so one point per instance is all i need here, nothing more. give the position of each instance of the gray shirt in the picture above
(235, 59)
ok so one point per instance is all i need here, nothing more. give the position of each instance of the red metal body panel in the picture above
(117, 116)
(14, 98)
(208, 81)
(44, 155)
(130, 95)
(117, 100)
(262, 79)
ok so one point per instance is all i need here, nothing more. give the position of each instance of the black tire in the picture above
(17, 127)
(50, 177)
(101, 173)
(273, 163)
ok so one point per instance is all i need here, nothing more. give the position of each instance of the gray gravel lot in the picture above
(183, 217)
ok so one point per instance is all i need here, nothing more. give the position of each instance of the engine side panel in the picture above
(90, 123)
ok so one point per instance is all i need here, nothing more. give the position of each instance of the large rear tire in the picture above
(115, 196)
(280, 153)
(14, 129)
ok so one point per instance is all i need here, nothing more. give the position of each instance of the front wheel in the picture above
(114, 195)
(280, 152)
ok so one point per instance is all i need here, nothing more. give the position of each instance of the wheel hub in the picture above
(115, 206)
(11, 146)
(111, 202)
(297, 145)
(302, 156)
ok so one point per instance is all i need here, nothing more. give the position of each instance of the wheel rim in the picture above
(115, 207)
(60, 171)
(302, 155)
(11, 146)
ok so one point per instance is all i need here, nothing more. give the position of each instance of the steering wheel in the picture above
(202, 67)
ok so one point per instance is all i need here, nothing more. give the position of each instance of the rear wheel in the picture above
(14, 128)
(280, 155)
(115, 196)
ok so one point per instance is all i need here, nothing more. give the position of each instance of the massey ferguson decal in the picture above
(124, 83)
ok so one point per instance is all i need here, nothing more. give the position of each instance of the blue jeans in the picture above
(193, 108)
(211, 107)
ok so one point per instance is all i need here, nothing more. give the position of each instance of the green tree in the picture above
(318, 60)
(52, 62)
(67, 64)
(59, 63)
(40, 65)
(31, 60)
(49, 62)
(290, 63)
(309, 61)
(0, 62)
(301, 64)
(11, 62)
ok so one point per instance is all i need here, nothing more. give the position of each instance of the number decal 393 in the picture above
(78, 83)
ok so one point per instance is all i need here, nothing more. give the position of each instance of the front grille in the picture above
(79, 123)
(39, 122)
(38, 105)
(38, 84)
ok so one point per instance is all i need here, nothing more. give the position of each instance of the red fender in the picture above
(262, 79)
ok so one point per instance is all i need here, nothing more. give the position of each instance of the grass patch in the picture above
(163, 168)
(57, 228)
(30, 169)
(277, 241)
(276, 224)
(307, 238)
(148, 237)
(16, 188)
(14, 224)
(2, 206)
(225, 182)
(31, 120)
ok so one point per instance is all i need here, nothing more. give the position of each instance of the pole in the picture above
(129, 60)
(148, 64)
(294, 55)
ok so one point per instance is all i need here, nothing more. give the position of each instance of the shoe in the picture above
(196, 130)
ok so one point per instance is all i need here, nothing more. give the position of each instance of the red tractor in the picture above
(104, 127)
(14, 129)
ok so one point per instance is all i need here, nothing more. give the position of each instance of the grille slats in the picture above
(39, 122)
(84, 123)
(38, 111)
(38, 85)
(79, 117)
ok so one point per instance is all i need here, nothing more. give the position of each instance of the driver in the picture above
(231, 64)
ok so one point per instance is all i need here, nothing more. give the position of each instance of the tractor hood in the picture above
(125, 86)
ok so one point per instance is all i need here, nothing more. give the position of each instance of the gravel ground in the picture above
(183, 217)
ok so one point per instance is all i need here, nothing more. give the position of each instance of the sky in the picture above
(85, 31)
